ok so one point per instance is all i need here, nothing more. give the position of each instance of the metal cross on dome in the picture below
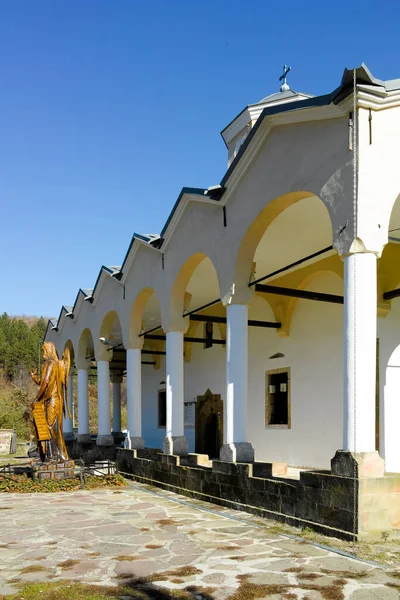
(286, 70)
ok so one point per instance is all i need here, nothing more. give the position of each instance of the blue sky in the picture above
(109, 107)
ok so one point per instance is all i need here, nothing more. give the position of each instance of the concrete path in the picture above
(108, 536)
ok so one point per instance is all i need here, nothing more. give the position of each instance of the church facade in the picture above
(263, 322)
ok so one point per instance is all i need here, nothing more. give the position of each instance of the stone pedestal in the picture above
(105, 440)
(137, 443)
(237, 452)
(177, 445)
(357, 464)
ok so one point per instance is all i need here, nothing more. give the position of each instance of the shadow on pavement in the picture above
(149, 591)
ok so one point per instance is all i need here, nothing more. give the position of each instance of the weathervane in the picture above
(285, 86)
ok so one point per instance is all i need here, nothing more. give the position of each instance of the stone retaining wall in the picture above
(321, 501)
(328, 503)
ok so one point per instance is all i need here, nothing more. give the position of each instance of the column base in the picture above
(84, 438)
(237, 452)
(137, 443)
(357, 464)
(68, 436)
(177, 445)
(105, 440)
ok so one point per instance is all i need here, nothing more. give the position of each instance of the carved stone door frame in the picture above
(206, 405)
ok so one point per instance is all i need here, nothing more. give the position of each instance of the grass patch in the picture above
(228, 547)
(187, 571)
(251, 591)
(328, 592)
(73, 591)
(153, 546)
(396, 586)
(93, 554)
(309, 576)
(126, 557)
(394, 574)
(32, 569)
(144, 529)
(293, 570)
(18, 484)
(164, 522)
(68, 564)
(40, 558)
(346, 574)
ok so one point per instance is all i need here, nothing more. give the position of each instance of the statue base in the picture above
(52, 469)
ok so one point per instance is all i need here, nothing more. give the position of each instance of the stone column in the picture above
(83, 407)
(236, 447)
(104, 437)
(175, 441)
(134, 395)
(116, 381)
(360, 314)
(67, 421)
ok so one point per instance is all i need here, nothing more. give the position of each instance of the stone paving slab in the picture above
(105, 536)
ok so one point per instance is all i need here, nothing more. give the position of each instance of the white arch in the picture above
(391, 414)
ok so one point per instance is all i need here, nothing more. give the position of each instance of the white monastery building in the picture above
(263, 322)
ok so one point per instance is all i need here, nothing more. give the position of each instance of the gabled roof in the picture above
(112, 271)
(86, 293)
(51, 323)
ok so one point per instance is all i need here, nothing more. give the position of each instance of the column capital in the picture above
(358, 246)
(357, 253)
(179, 325)
(135, 343)
(236, 295)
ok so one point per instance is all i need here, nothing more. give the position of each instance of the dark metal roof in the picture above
(281, 96)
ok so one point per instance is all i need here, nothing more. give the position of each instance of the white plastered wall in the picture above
(389, 367)
(314, 353)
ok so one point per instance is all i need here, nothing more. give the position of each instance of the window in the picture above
(277, 405)
(162, 408)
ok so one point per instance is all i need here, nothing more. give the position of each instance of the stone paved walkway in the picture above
(104, 536)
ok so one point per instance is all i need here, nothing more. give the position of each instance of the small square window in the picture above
(277, 398)
(162, 408)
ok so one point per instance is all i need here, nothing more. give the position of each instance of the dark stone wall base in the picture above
(331, 504)
(320, 501)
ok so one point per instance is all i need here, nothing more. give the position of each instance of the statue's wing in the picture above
(66, 360)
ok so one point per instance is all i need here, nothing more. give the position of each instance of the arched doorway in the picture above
(209, 420)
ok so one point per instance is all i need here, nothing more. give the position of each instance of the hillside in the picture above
(20, 350)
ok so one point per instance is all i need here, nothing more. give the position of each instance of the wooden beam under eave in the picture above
(391, 294)
(194, 340)
(295, 293)
(251, 322)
